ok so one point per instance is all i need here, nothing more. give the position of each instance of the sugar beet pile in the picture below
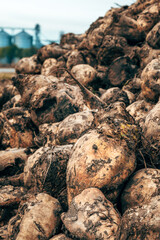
(80, 134)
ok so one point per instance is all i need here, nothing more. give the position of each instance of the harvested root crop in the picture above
(91, 216)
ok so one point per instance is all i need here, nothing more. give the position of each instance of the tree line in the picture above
(13, 51)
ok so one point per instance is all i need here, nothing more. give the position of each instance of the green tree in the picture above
(28, 52)
(13, 51)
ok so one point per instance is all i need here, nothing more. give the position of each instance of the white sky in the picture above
(55, 15)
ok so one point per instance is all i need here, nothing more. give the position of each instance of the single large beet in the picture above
(48, 99)
(37, 218)
(153, 37)
(151, 80)
(45, 170)
(28, 65)
(50, 51)
(17, 128)
(102, 158)
(142, 222)
(141, 188)
(73, 126)
(148, 17)
(91, 216)
(120, 71)
(151, 131)
(111, 48)
(84, 73)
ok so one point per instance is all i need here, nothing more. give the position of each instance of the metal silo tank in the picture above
(23, 40)
(5, 39)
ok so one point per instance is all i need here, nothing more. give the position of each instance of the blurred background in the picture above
(25, 26)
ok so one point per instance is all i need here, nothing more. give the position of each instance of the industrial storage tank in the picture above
(23, 40)
(5, 39)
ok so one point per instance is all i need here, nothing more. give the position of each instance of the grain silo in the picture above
(23, 40)
(5, 39)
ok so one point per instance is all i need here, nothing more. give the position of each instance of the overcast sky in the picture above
(55, 15)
